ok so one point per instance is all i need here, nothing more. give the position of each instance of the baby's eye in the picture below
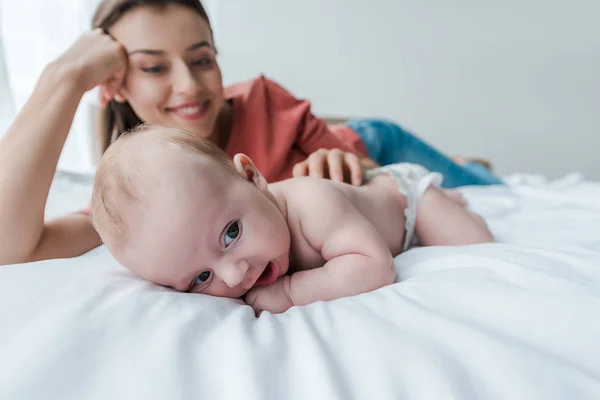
(202, 278)
(233, 231)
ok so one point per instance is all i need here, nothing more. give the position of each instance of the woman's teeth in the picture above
(189, 110)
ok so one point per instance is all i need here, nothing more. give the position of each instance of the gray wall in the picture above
(515, 81)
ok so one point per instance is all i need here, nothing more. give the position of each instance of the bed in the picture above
(512, 320)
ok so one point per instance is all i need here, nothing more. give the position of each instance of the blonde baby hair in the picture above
(119, 173)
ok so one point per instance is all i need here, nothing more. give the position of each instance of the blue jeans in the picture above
(387, 143)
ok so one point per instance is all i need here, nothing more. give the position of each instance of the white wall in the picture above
(515, 81)
(35, 33)
(6, 106)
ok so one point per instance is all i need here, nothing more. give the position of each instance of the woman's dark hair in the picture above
(118, 118)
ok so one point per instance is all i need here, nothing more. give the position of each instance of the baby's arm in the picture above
(357, 259)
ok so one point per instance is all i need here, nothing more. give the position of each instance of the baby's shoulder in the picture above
(313, 199)
(313, 206)
(307, 190)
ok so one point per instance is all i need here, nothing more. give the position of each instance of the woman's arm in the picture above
(66, 237)
(30, 149)
(29, 154)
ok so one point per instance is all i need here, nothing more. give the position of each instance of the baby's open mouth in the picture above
(269, 275)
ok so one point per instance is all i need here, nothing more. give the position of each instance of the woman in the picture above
(155, 61)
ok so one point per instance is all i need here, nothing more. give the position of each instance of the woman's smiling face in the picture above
(173, 78)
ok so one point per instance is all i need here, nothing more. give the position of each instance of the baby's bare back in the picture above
(314, 203)
(382, 205)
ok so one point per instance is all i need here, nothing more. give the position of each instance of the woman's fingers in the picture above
(352, 162)
(335, 164)
(112, 86)
(316, 163)
(300, 169)
(96, 58)
(108, 90)
(103, 97)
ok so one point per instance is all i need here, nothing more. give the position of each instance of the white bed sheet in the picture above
(515, 320)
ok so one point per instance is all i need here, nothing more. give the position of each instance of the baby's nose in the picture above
(234, 273)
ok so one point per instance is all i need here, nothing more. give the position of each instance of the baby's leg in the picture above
(456, 196)
(442, 221)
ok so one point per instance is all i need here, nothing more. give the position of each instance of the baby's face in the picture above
(206, 231)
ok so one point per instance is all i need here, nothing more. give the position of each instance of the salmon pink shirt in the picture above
(277, 130)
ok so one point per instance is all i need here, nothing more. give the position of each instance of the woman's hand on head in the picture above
(333, 164)
(96, 59)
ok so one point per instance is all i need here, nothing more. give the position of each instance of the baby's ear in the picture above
(246, 168)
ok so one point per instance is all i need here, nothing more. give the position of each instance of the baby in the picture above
(176, 210)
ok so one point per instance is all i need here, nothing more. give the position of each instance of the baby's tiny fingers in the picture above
(250, 298)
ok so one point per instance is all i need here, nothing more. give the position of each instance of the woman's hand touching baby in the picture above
(334, 164)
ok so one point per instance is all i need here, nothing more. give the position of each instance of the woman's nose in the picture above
(184, 81)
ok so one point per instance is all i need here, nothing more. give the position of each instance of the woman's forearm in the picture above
(29, 152)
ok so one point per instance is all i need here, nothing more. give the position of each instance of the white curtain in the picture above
(6, 105)
(35, 32)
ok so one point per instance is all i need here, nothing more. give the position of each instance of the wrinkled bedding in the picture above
(516, 319)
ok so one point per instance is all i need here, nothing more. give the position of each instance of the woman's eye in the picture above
(202, 278)
(203, 62)
(153, 70)
(233, 231)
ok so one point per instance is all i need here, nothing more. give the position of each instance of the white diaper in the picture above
(412, 181)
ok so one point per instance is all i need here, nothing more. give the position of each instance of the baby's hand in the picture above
(274, 298)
